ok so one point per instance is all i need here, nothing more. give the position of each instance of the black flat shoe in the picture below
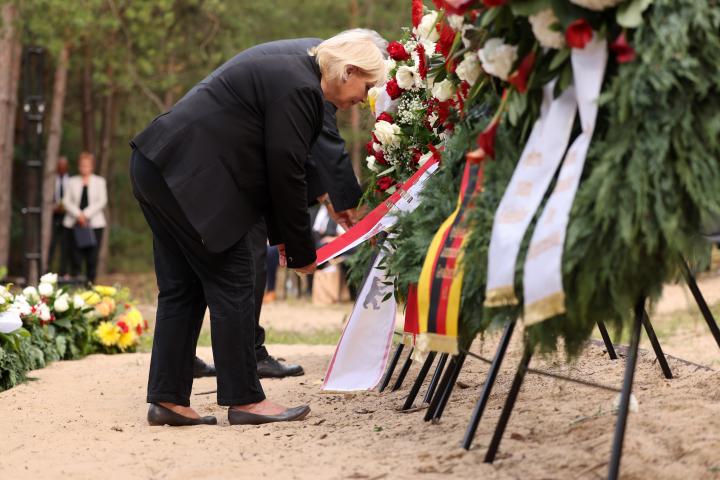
(272, 368)
(239, 417)
(202, 369)
(159, 415)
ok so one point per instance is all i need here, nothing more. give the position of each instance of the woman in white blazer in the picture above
(84, 200)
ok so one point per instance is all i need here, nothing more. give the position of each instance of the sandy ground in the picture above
(86, 419)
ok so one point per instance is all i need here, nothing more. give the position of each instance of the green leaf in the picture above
(559, 58)
(63, 322)
(629, 14)
(526, 8)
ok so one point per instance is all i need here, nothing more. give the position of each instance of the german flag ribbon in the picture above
(440, 285)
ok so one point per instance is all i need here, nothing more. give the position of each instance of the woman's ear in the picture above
(349, 70)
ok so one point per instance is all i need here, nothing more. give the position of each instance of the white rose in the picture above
(469, 69)
(62, 303)
(426, 31)
(456, 22)
(387, 133)
(444, 90)
(46, 289)
(596, 5)
(422, 160)
(43, 312)
(49, 278)
(78, 301)
(408, 77)
(541, 26)
(30, 293)
(371, 164)
(497, 58)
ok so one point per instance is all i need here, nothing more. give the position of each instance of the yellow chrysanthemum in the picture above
(133, 318)
(105, 290)
(108, 333)
(127, 340)
(91, 298)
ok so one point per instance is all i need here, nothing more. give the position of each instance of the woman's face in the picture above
(351, 90)
(85, 167)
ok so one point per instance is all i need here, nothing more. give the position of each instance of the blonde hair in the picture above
(87, 156)
(359, 48)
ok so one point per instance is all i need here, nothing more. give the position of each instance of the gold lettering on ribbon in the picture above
(450, 252)
(524, 189)
(445, 273)
(551, 241)
(512, 215)
(533, 159)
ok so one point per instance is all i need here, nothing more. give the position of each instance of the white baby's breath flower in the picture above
(469, 69)
(62, 303)
(597, 5)
(497, 57)
(426, 30)
(543, 24)
(444, 90)
(408, 78)
(46, 289)
(387, 133)
(49, 278)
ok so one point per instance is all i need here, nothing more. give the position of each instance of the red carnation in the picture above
(486, 139)
(520, 76)
(384, 183)
(384, 116)
(624, 53)
(397, 51)
(380, 157)
(123, 326)
(447, 37)
(578, 33)
(417, 12)
(393, 89)
(422, 61)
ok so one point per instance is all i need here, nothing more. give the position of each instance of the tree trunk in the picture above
(52, 151)
(109, 116)
(355, 112)
(88, 112)
(10, 56)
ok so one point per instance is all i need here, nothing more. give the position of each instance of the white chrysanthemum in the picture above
(469, 69)
(408, 78)
(542, 23)
(444, 90)
(426, 30)
(596, 5)
(387, 133)
(497, 57)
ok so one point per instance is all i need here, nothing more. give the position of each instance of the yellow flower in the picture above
(91, 298)
(105, 291)
(133, 318)
(108, 333)
(127, 340)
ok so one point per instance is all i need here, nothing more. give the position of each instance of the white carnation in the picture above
(62, 303)
(497, 58)
(444, 90)
(43, 312)
(541, 26)
(49, 278)
(46, 289)
(597, 5)
(78, 301)
(387, 133)
(456, 22)
(408, 77)
(371, 163)
(469, 69)
(426, 30)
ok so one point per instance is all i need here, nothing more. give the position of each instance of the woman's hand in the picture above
(82, 220)
(307, 269)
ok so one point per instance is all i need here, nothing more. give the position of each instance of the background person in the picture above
(57, 237)
(84, 201)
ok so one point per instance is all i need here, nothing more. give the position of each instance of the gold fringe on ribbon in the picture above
(432, 342)
(501, 297)
(544, 308)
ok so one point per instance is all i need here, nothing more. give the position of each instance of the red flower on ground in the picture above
(447, 37)
(578, 33)
(623, 51)
(397, 51)
(384, 183)
(520, 76)
(422, 61)
(385, 117)
(486, 139)
(393, 89)
(417, 12)
(123, 326)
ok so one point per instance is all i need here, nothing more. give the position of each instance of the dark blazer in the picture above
(328, 167)
(236, 149)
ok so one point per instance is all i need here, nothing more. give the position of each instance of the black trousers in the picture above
(191, 279)
(58, 241)
(87, 256)
(257, 237)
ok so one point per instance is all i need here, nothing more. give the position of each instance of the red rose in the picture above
(486, 139)
(417, 12)
(380, 157)
(578, 33)
(393, 90)
(385, 117)
(422, 61)
(493, 3)
(397, 51)
(416, 155)
(520, 76)
(624, 53)
(123, 326)
(369, 148)
(384, 183)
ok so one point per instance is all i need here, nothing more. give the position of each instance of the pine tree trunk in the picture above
(88, 110)
(52, 151)
(109, 116)
(10, 56)
(355, 111)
